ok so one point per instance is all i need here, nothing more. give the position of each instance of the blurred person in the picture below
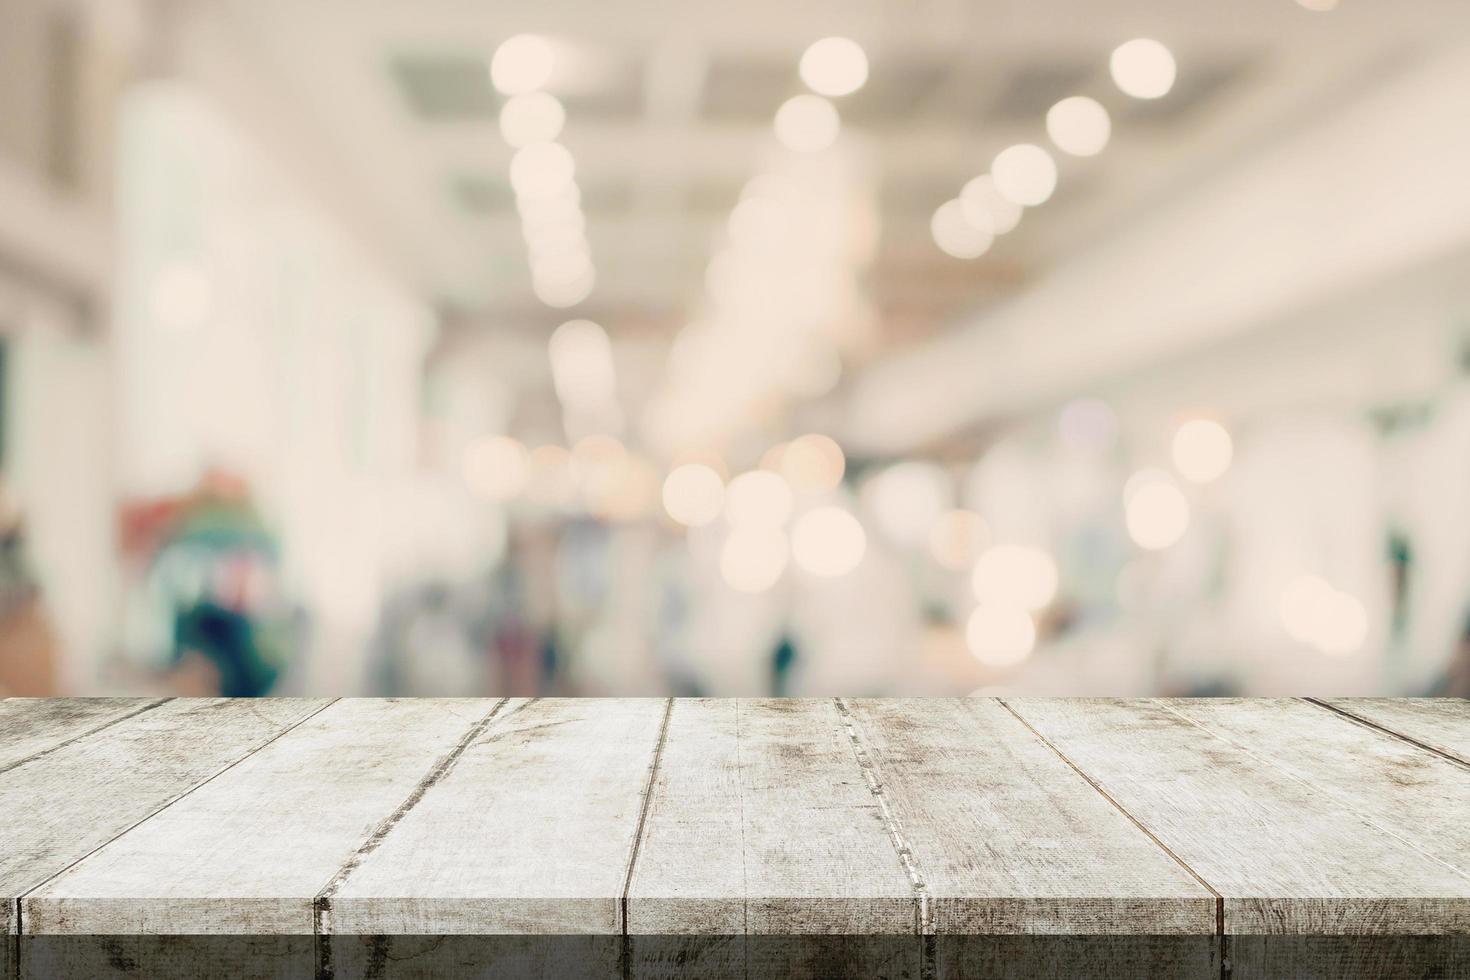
(210, 618)
(28, 648)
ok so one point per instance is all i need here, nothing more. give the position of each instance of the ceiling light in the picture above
(1143, 68)
(982, 203)
(807, 123)
(753, 558)
(956, 235)
(758, 497)
(694, 494)
(542, 170)
(834, 66)
(828, 541)
(1079, 126)
(1202, 450)
(563, 294)
(536, 117)
(1025, 174)
(522, 64)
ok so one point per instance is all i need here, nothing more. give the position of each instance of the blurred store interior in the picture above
(864, 347)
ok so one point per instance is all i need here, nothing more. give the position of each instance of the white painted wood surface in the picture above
(249, 851)
(1286, 857)
(34, 726)
(721, 818)
(762, 822)
(530, 831)
(1010, 839)
(1442, 724)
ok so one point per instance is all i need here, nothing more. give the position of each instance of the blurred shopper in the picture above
(210, 614)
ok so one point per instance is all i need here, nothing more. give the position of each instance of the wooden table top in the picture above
(634, 817)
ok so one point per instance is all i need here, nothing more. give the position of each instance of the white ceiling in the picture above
(669, 110)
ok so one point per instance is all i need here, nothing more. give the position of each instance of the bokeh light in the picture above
(807, 123)
(1015, 575)
(1025, 174)
(496, 467)
(758, 498)
(1155, 510)
(1079, 126)
(1142, 68)
(828, 541)
(1202, 450)
(694, 494)
(1000, 636)
(522, 63)
(753, 558)
(834, 66)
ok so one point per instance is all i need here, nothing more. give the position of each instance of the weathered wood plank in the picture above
(247, 852)
(30, 726)
(1414, 795)
(1012, 840)
(761, 822)
(82, 794)
(1442, 724)
(1286, 858)
(530, 832)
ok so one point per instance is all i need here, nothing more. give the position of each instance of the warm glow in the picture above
(535, 117)
(1014, 575)
(694, 494)
(522, 64)
(957, 538)
(1155, 510)
(984, 207)
(1079, 126)
(542, 170)
(807, 123)
(753, 558)
(813, 464)
(1143, 68)
(956, 235)
(496, 467)
(828, 541)
(1316, 614)
(1000, 636)
(1202, 450)
(834, 66)
(581, 365)
(758, 498)
(1025, 174)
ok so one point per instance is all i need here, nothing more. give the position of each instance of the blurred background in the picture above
(857, 347)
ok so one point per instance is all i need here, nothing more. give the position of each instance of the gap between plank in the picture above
(86, 734)
(644, 806)
(1375, 726)
(924, 909)
(1344, 803)
(625, 944)
(322, 903)
(1219, 899)
(133, 826)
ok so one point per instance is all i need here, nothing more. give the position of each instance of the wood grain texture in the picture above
(248, 852)
(1011, 839)
(1442, 724)
(30, 726)
(761, 822)
(1416, 796)
(530, 832)
(1287, 858)
(82, 794)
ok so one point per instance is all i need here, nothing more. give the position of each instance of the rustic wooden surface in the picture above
(639, 820)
